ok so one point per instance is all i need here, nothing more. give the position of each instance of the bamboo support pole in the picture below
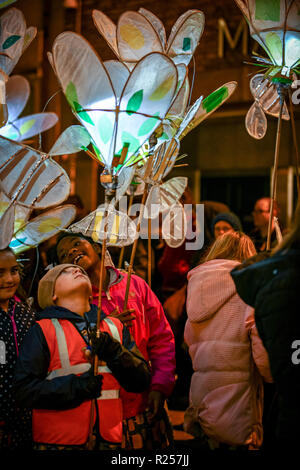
(281, 91)
(294, 133)
(134, 247)
(149, 252)
(121, 256)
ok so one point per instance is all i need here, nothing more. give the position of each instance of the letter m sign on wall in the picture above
(224, 33)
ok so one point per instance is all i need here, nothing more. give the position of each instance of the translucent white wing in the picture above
(121, 230)
(144, 103)
(136, 37)
(124, 179)
(188, 118)
(265, 92)
(72, 140)
(186, 34)
(209, 105)
(107, 29)
(157, 25)
(174, 226)
(29, 37)
(17, 94)
(12, 33)
(22, 212)
(31, 178)
(42, 228)
(179, 105)
(7, 227)
(136, 187)
(256, 121)
(119, 74)
(92, 100)
(165, 158)
(29, 126)
(166, 194)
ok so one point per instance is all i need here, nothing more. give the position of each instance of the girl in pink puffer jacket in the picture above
(229, 360)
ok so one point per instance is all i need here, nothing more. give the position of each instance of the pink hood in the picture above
(210, 286)
(226, 387)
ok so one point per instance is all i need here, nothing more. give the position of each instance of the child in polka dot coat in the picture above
(15, 320)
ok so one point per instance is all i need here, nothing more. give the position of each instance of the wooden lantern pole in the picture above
(282, 90)
(294, 133)
(134, 247)
(120, 262)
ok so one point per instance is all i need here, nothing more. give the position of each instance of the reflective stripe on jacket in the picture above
(151, 332)
(71, 427)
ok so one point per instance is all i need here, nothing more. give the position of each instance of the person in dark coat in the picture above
(271, 286)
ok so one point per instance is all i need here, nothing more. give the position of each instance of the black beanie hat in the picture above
(230, 218)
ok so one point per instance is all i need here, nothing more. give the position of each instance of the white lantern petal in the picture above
(72, 140)
(157, 25)
(28, 126)
(31, 177)
(266, 93)
(119, 74)
(30, 34)
(12, 33)
(107, 29)
(256, 121)
(186, 34)
(210, 104)
(7, 227)
(17, 94)
(144, 103)
(136, 37)
(174, 226)
(121, 230)
(93, 100)
(42, 228)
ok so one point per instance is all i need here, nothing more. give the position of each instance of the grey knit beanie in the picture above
(230, 218)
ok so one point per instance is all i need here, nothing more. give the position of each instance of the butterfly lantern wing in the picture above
(120, 229)
(42, 227)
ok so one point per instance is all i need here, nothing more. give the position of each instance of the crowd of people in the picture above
(83, 369)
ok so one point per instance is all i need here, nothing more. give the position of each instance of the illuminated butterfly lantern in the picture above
(121, 230)
(140, 33)
(165, 196)
(15, 37)
(275, 25)
(267, 101)
(180, 125)
(19, 129)
(29, 180)
(118, 108)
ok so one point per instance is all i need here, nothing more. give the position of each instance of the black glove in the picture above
(105, 347)
(89, 385)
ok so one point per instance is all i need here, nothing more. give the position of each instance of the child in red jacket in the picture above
(150, 329)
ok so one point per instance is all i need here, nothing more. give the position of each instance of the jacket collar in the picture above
(115, 276)
(63, 313)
